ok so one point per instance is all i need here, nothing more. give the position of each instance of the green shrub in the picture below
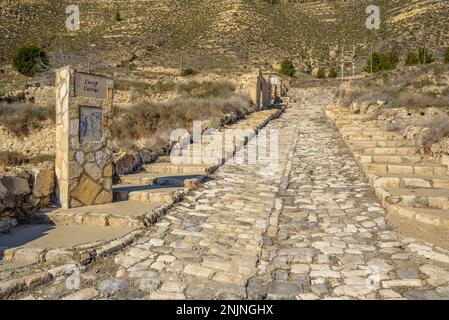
(287, 68)
(383, 61)
(424, 56)
(118, 16)
(412, 59)
(321, 74)
(446, 55)
(29, 59)
(2, 71)
(188, 72)
(333, 73)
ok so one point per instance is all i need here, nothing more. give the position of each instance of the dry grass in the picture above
(155, 121)
(20, 118)
(204, 89)
(439, 128)
(8, 158)
(411, 88)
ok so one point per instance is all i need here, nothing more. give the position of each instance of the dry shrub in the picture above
(20, 118)
(206, 89)
(410, 99)
(9, 158)
(397, 126)
(409, 88)
(439, 128)
(155, 121)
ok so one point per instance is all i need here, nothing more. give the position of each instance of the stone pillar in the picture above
(83, 138)
(265, 93)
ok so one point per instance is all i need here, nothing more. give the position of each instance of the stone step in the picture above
(408, 181)
(396, 151)
(174, 169)
(153, 194)
(423, 168)
(351, 130)
(421, 219)
(400, 159)
(55, 243)
(181, 181)
(145, 178)
(380, 136)
(416, 198)
(124, 213)
(361, 144)
(141, 178)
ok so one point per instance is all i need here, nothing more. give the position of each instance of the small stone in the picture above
(149, 284)
(172, 286)
(402, 283)
(283, 290)
(407, 273)
(110, 287)
(198, 271)
(299, 268)
(437, 275)
(307, 296)
(389, 294)
(227, 277)
(84, 294)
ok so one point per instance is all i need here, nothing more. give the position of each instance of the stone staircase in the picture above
(413, 188)
(83, 234)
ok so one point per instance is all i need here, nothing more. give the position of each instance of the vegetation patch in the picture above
(382, 61)
(29, 59)
(8, 158)
(155, 121)
(287, 68)
(20, 118)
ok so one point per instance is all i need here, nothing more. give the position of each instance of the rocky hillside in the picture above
(217, 34)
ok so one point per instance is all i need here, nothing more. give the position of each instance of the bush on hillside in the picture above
(321, 74)
(29, 59)
(383, 61)
(333, 73)
(412, 59)
(425, 56)
(188, 72)
(446, 56)
(287, 68)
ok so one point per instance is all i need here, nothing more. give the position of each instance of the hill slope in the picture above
(218, 34)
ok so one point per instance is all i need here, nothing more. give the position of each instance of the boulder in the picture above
(124, 163)
(44, 182)
(16, 185)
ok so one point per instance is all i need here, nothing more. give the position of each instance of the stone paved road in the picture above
(309, 229)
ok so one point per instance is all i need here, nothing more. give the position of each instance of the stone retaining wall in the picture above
(38, 142)
(22, 191)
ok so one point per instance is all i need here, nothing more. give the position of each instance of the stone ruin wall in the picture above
(22, 191)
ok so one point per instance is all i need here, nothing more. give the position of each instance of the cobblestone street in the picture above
(309, 229)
